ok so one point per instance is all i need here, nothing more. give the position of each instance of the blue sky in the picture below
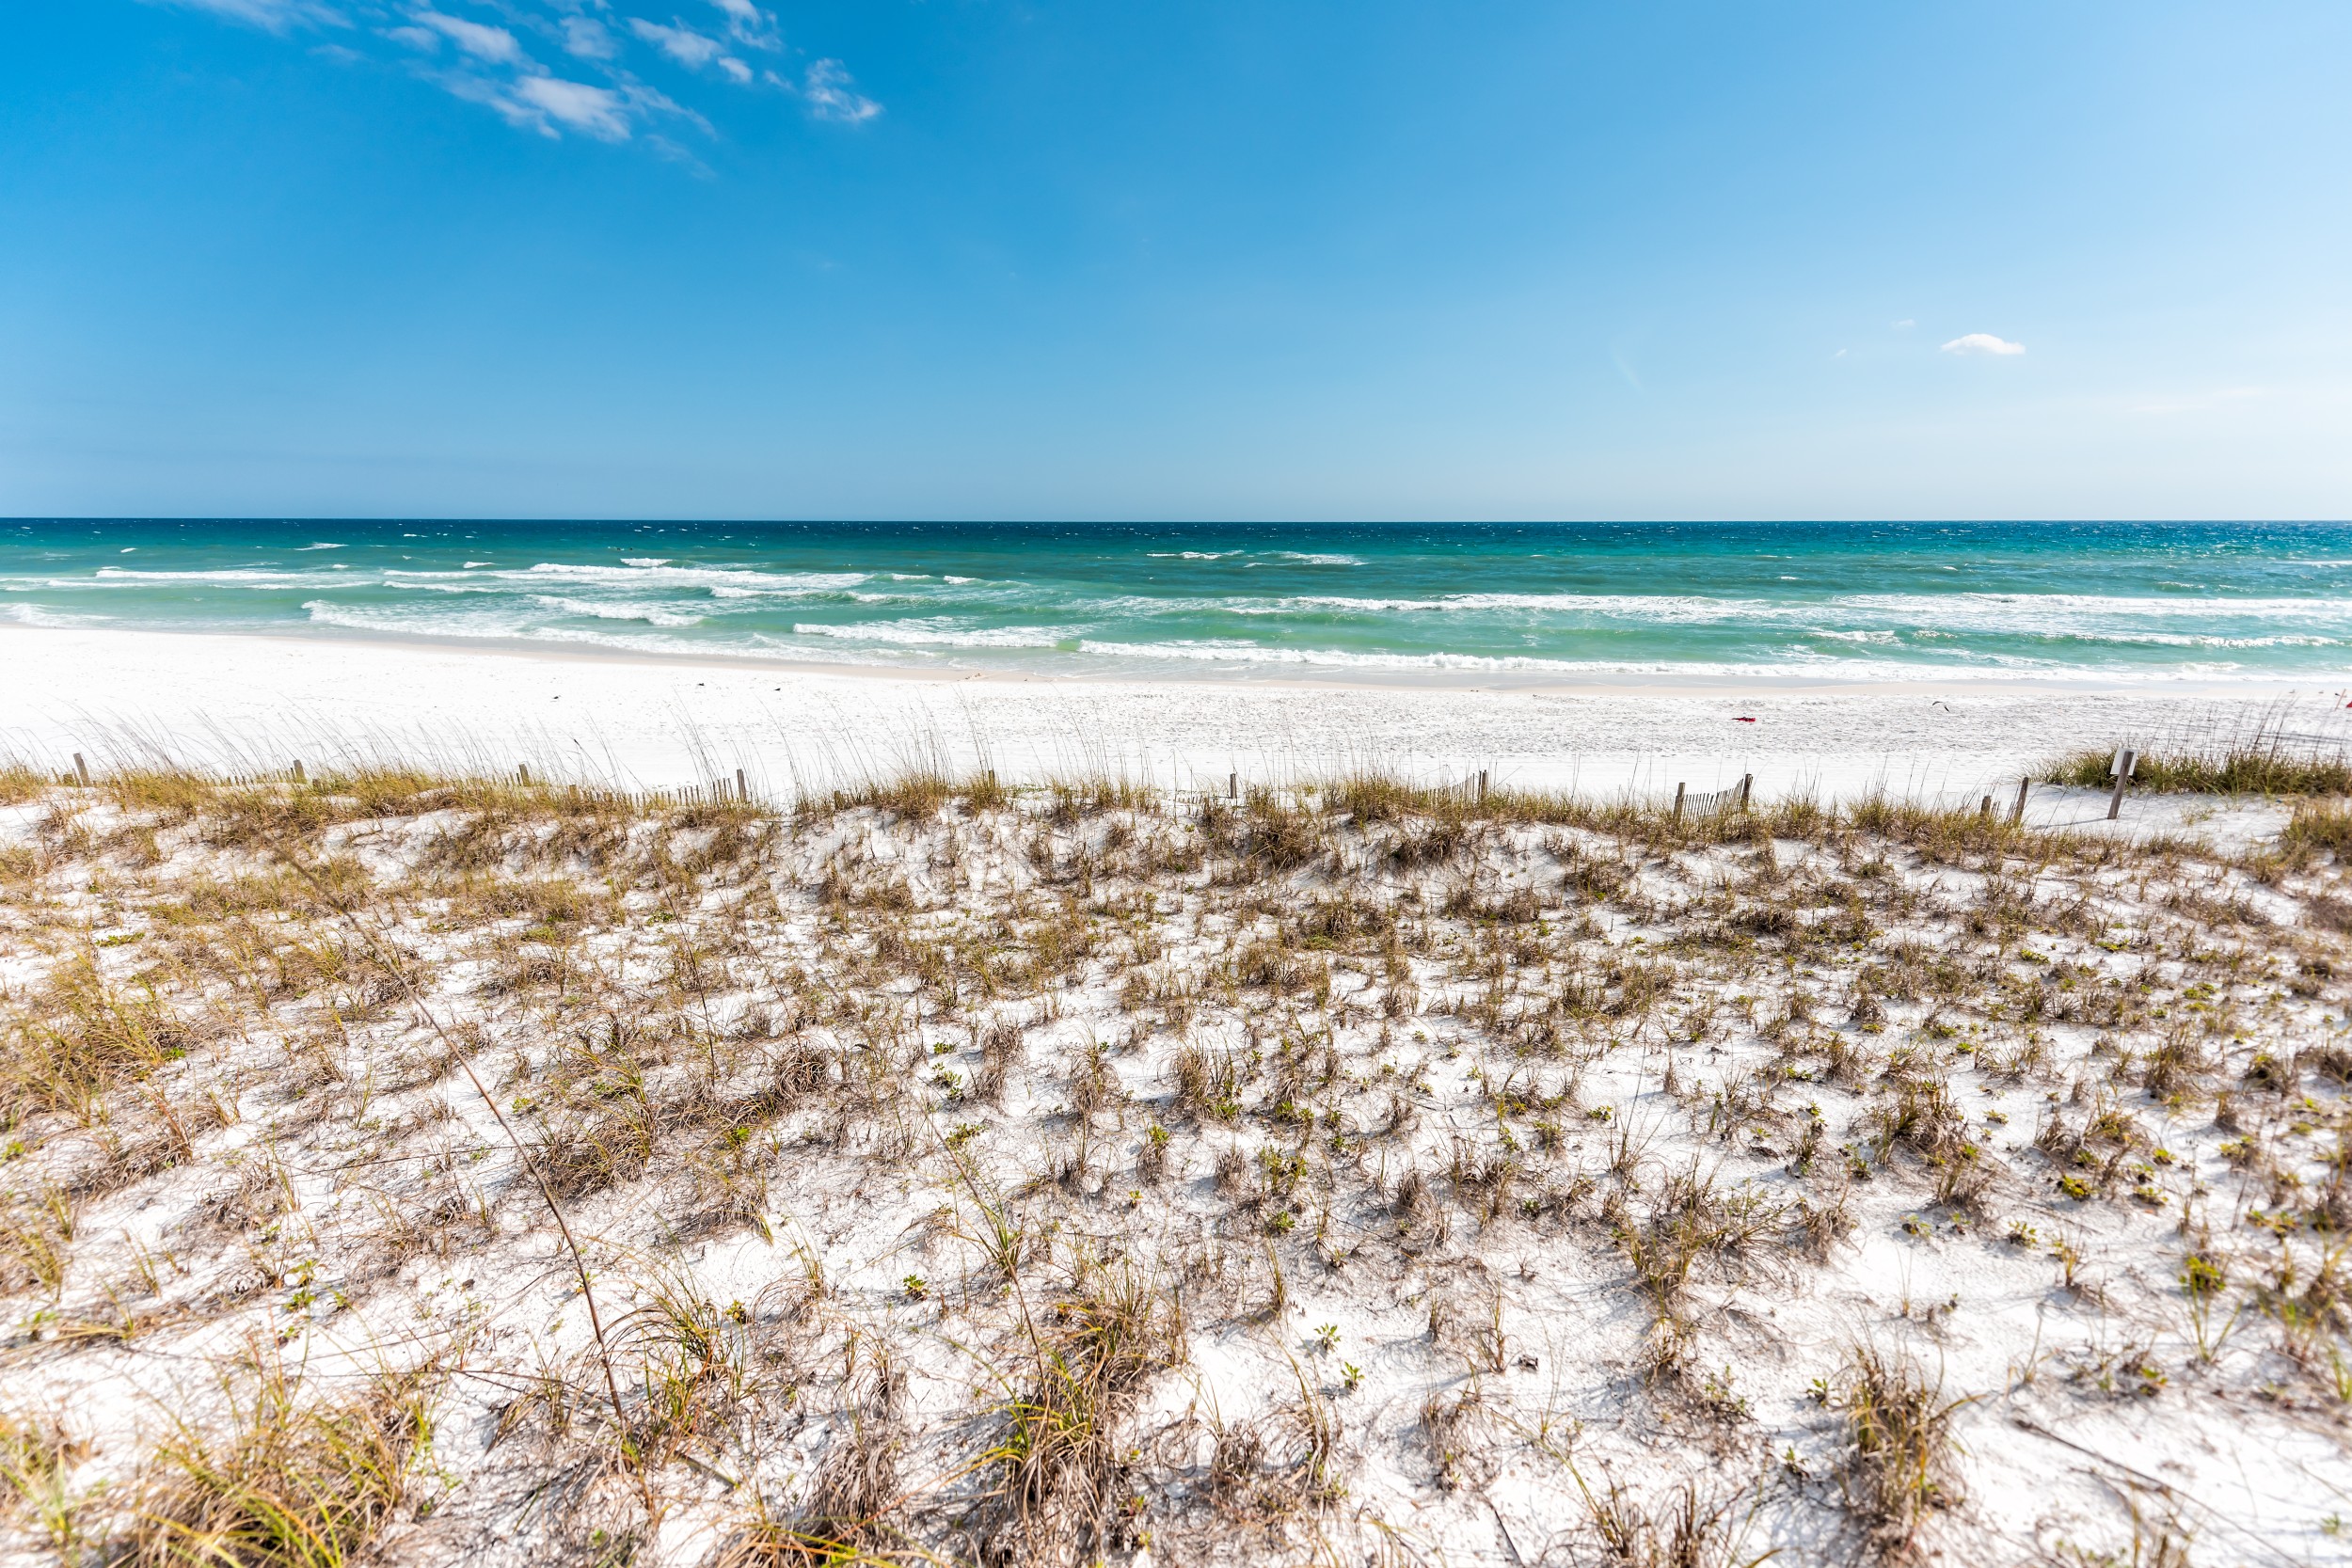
(1127, 258)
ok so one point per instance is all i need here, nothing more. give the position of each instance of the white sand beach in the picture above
(659, 722)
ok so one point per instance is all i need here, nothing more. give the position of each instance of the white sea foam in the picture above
(493, 618)
(2153, 605)
(612, 610)
(262, 575)
(739, 578)
(1796, 662)
(2031, 614)
(36, 615)
(940, 632)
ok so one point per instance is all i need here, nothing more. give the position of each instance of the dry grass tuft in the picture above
(918, 792)
(20, 782)
(1090, 1362)
(2319, 825)
(36, 1455)
(1898, 1469)
(1684, 1531)
(285, 1481)
(2268, 759)
(83, 1036)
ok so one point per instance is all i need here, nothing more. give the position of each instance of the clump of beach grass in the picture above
(288, 1476)
(2319, 825)
(1899, 1465)
(2268, 758)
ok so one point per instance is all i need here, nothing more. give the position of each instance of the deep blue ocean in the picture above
(1872, 601)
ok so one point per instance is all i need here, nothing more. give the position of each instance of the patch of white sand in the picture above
(257, 702)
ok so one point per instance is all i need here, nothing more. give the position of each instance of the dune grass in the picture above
(2267, 758)
(2319, 825)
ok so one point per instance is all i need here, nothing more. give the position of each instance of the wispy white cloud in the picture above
(482, 50)
(277, 16)
(747, 24)
(594, 111)
(549, 104)
(691, 49)
(483, 42)
(585, 37)
(1982, 342)
(682, 45)
(826, 86)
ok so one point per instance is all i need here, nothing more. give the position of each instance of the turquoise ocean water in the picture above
(2120, 602)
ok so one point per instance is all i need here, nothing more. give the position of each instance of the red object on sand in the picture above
(1746, 721)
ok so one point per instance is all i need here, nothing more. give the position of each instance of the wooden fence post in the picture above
(1482, 787)
(743, 789)
(1233, 786)
(1747, 783)
(2126, 761)
(81, 769)
(1985, 810)
(1678, 789)
(297, 770)
(2017, 812)
(523, 774)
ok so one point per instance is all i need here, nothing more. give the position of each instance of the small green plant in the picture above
(2069, 1258)
(1720, 1395)
(917, 1287)
(35, 1457)
(1351, 1377)
(1327, 1337)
